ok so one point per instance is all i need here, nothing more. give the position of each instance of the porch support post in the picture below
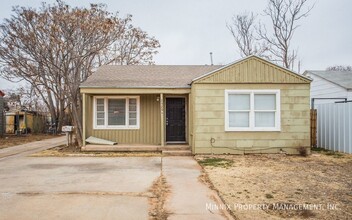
(162, 120)
(84, 119)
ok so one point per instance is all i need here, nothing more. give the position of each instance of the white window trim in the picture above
(116, 127)
(251, 127)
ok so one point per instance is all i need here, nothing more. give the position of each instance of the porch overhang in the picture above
(137, 90)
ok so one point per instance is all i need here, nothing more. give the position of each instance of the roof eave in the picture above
(317, 75)
(135, 87)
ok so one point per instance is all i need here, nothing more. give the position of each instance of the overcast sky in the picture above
(189, 29)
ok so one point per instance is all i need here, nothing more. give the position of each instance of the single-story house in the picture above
(330, 86)
(248, 106)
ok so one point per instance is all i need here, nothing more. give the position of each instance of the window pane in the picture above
(238, 102)
(100, 115)
(116, 112)
(132, 112)
(133, 121)
(132, 105)
(239, 119)
(100, 121)
(265, 119)
(100, 102)
(264, 101)
(133, 115)
(100, 112)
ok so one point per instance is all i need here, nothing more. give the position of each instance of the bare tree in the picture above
(134, 47)
(57, 47)
(273, 43)
(242, 28)
(284, 16)
(339, 68)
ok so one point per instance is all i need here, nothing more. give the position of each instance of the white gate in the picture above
(334, 126)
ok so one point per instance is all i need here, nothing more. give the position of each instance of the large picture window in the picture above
(116, 112)
(252, 110)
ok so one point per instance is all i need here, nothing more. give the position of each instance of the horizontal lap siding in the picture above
(322, 88)
(208, 120)
(149, 132)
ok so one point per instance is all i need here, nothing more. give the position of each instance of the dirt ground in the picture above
(160, 191)
(318, 186)
(13, 140)
(63, 151)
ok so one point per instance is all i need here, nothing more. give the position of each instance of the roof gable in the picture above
(340, 78)
(252, 69)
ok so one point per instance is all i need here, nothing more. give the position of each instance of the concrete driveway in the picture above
(76, 188)
(101, 188)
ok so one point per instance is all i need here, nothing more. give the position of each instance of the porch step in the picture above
(121, 148)
(177, 147)
(177, 152)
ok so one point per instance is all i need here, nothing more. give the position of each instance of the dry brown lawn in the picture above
(318, 186)
(13, 140)
(63, 151)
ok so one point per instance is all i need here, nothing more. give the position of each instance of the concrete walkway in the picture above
(32, 147)
(190, 198)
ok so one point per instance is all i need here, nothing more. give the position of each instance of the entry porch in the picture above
(137, 119)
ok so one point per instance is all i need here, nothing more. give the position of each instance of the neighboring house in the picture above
(2, 120)
(249, 106)
(330, 84)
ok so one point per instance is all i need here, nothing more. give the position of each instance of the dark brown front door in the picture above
(175, 120)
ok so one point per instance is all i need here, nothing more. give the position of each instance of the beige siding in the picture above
(208, 121)
(253, 70)
(150, 122)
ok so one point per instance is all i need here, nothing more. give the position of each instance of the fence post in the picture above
(313, 127)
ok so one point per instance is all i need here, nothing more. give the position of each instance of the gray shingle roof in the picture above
(341, 78)
(144, 76)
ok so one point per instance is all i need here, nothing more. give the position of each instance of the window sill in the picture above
(254, 129)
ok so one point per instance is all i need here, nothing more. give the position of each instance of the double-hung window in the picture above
(116, 112)
(252, 110)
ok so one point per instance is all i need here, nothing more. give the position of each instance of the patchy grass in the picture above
(13, 140)
(328, 152)
(321, 181)
(269, 196)
(55, 153)
(216, 162)
(160, 191)
(318, 149)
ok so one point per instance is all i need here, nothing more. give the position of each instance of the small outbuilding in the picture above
(23, 122)
(248, 106)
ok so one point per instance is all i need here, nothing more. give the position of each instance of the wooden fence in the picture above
(313, 127)
(334, 126)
